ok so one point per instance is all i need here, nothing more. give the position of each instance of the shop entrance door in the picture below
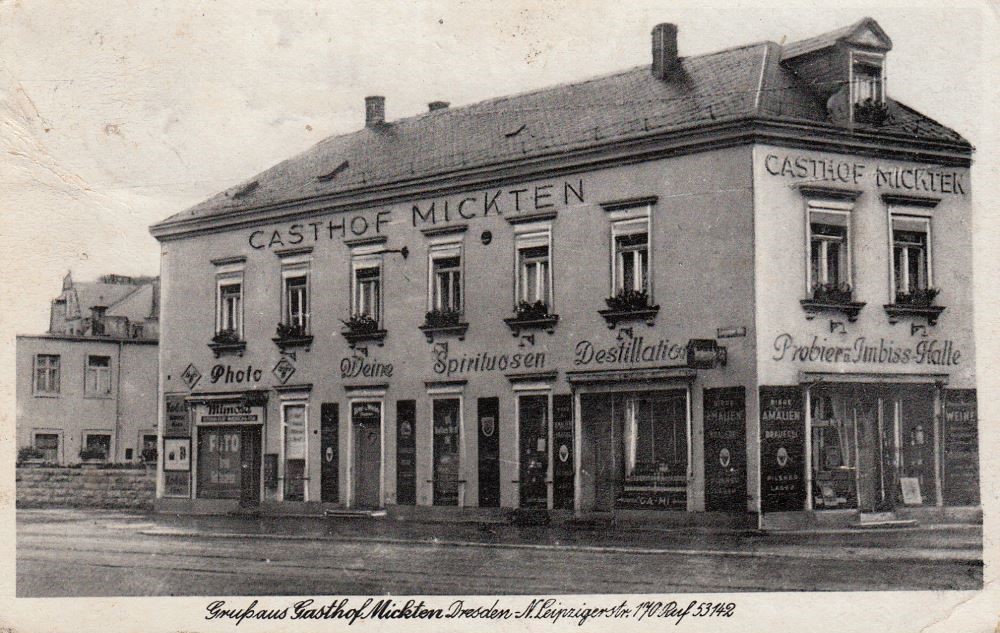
(534, 439)
(367, 422)
(875, 423)
(600, 460)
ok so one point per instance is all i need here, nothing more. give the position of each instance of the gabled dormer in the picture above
(846, 69)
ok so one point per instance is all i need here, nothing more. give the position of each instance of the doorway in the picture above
(329, 446)
(366, 420)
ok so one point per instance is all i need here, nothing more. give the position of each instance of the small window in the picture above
(867, 84)
(97, 380)
(48, 444)
(47, 374)
(632, 262)
(230, 317)
(98, 445)
(367, 292)
(297, 303)
(911, 266)
(447, 284)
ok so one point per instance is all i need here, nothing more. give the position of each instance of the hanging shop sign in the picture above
(724, 414)
(178, 416)
(961, 447)
(782, 449)
(864, 350)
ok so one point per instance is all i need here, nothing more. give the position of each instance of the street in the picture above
(107, 553)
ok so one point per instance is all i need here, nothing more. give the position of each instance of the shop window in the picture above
(97, 377)
(656, 442)
(911, 262)
(445, 291)
(48, 445)
(296, 311)
(833, 452)
(294, 424)
(47, 374)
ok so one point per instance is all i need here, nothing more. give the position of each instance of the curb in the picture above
(972, 559)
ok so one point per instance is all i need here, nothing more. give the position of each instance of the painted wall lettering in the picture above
(928, 179)
(629, 352)
(226, 375)
(485, 361)
(498, 202)
(340, 227)
(933, 352)
(359, 366)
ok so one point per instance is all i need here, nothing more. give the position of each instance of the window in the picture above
(829, 251)
(367, 291)
(97, 379)
(866, 80)
(632, 259)
(48, 444)
(911, 261)
(230, 317)
(656, 438)
(99, 444)
(445, 279)
(294, 430)
(47, 374)
(297, 302)
(533, 282)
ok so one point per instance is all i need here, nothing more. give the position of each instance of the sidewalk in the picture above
(938, 542)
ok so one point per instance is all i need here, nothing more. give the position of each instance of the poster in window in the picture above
(178, 417)
(782, 449)
(961, 447)
(177, 454)
(295, 432)
(446, 455)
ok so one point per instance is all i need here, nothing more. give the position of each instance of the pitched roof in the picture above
(865, 30)
(95, 293)
(738, 83)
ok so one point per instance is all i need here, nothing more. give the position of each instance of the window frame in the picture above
(875, 60)
(85, 436)
(98, 372)
(304, 322)
(910, 215)
(624, 227)
(59, 441)
(830, 207)
(445, 249)
(363, 260)
(224, 281)
(526, 238)
(288, 402)
(57, 372)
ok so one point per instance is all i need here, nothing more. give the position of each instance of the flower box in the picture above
(363, 328)
(629, 305)
(918, 303)
(292, 336)
(444, 323)
(871, 112)
(832, 298)
(227, 342)
(531, 316)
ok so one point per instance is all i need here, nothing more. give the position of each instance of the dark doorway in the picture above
(329, 447)
(489, 452)
(367, 420)
(533, 413)
(250, 466)
(406, 452)
(446, 451)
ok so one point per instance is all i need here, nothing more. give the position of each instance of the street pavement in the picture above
(69, 552)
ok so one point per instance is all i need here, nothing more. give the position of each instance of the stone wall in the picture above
(133, 489)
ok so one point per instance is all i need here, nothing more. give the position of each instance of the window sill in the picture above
(614, 317)
(98, 396)
(902, 310)
(47, 395)
(849, 308)
(376, 336)
(547, 323)
(220, 349)
(290, 342)
(430, 331)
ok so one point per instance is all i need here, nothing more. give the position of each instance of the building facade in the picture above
(86, 389)
(712, 288)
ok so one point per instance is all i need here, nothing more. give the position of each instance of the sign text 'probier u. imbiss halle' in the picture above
(461, 208)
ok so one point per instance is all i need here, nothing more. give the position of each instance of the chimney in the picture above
(437, 105)
(374, 111)
(665, 62)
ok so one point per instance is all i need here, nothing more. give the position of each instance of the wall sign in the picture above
(961, 447)
(651, 499)
(177, 484)
(361, 367)
(815, 169)
(177, 454)
(178, 418)
(229, 412)
(782, 449)
(725, 449)
(863, 350)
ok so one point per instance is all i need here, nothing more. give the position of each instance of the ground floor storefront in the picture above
(651, 446)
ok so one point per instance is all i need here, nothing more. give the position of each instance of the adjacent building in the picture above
(86, 389)
(727, 288)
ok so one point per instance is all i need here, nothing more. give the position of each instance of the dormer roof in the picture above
(865, 34)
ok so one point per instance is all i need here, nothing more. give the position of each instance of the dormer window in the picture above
(867, 79)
